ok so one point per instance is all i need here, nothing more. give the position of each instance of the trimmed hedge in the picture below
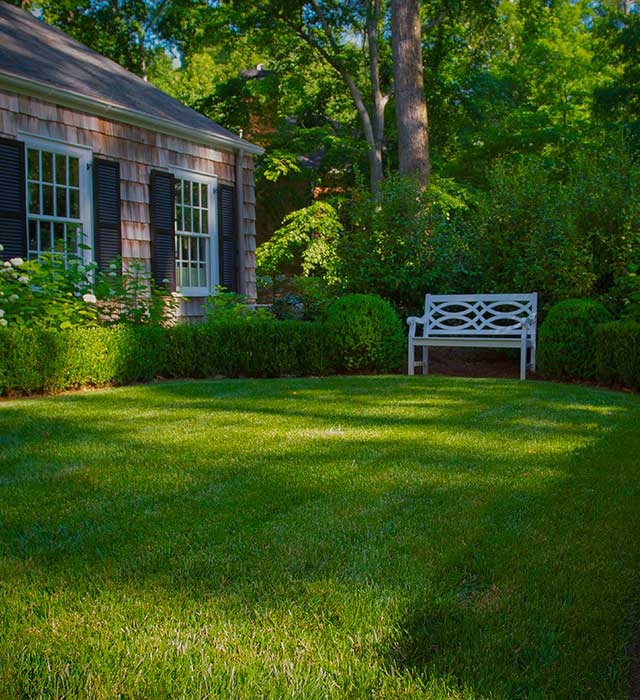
(34, 361)
(566, 339)
(618, 353)
(366, 333)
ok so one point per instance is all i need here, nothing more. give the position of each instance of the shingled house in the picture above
(91, 153)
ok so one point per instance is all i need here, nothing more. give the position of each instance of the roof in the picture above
(40, 60)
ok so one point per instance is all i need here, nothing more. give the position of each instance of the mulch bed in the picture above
(473, 362)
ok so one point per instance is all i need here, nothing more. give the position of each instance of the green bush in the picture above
(258, 348)
(366, 333)
(46, 360)
(566, 340)
(618, 353)
(34, 360)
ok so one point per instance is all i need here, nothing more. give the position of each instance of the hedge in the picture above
(35, 361)
(617, 353)
(566, 345)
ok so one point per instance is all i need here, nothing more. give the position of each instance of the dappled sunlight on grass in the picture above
(363, 537)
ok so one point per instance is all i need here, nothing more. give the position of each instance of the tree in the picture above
(411, 107)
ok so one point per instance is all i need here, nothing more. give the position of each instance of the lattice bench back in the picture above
(478, 314)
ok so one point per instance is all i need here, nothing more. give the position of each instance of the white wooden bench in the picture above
(475, 320)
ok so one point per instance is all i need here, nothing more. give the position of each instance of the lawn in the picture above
(361, 537)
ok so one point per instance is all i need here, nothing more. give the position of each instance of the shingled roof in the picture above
(38, 59)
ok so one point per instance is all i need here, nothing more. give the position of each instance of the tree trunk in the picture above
(411, 107)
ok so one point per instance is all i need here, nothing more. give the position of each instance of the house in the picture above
(92, 154)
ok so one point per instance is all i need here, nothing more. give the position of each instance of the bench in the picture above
(475, 320)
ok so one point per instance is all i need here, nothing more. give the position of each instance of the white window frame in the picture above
(85, 158)
(213, 266)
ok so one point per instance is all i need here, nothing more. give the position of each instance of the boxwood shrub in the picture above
(34, 361)
(366, 333)
(566, 346)
(618, 353)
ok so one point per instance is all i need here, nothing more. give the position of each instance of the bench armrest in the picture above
(530, 321)
(412, 320)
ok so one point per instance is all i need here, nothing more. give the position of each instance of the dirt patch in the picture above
(473, 362)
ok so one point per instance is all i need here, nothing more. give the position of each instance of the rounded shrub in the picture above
(366, 333)
(566, 343)
(618, 353)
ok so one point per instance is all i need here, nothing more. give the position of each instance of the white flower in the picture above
(1, 313)
(1, 247)
(3, 321)
(24, 279)
(16, 262)
(6, 263)
(89, 298)
(13, 297)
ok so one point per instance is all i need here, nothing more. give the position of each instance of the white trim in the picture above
(213, 273)
(85, 158)
(108, 110)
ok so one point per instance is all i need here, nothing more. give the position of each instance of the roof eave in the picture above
(108, 110)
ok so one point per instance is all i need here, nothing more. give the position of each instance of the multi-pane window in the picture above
(56, 200)
(195, 271)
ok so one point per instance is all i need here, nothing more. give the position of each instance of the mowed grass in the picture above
(363, 537)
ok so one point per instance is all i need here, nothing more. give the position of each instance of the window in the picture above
(58, 198)
(196, 241)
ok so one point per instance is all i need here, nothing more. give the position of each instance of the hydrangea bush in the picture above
(57, 293)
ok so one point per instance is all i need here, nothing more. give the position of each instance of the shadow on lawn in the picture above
(477, 544)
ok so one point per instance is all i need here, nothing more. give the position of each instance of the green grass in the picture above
(367, 537)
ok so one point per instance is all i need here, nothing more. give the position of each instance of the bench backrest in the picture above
(479, 314)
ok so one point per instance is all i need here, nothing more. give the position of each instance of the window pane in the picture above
(178, 189)
(196, 219)
(202, 253)
(33, 236)
(74, 166)
(34, 198)
(61, 169)
(203, 196)
(205, 222)
(47, 200)
(45, 235)
(59, 244)
(34, 164)
(47, 166)
(61, 201)
(196, 195)
(74, 236)
(74, 204)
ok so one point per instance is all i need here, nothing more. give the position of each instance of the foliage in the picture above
(304, 299)
(224, 306)
(306, 243)
(49, 293)
(567, 346)
(34, 359)
(367, 334)
(400, 243)
(617, 346)
(132, 296)
(262, 348)
(52, 292)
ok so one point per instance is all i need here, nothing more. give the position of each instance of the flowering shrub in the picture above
(46, 293)
(54, 293)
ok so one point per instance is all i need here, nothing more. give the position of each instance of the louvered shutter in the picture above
(13, 206)
(106, 207)
(163, 247)
(227, 237)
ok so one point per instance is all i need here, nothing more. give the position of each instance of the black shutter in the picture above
(13, 205)
(106, 211)
(227, 237)
(163, 246)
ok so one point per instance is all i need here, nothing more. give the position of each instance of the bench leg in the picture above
(523, 358)
(425, 360)
(532, 363)
(411, 358)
